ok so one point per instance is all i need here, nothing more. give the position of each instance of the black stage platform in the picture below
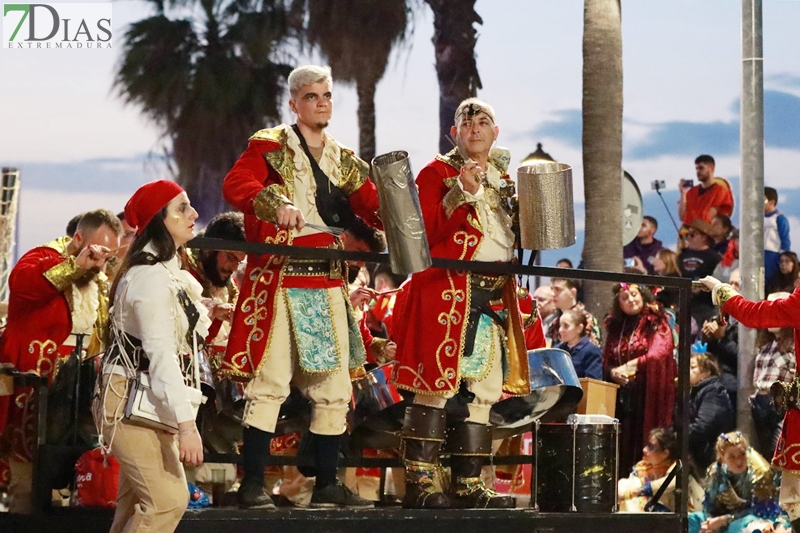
(380, 520)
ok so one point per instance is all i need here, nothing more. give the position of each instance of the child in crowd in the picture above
(740, 490)
(586, 356)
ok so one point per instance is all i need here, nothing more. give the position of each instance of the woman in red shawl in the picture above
(638, 356)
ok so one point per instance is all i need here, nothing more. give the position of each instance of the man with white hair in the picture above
(461, 333)
(293, 323)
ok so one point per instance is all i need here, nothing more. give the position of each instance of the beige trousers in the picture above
(329, 392)
(789, 498)
(153, 494)
(487, 390)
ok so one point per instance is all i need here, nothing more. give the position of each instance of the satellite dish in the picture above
(631, 208)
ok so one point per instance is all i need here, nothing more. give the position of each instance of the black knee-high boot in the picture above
(423, 434)
(255, 453)
(470, 445)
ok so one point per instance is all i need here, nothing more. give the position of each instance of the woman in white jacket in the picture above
(156, 310)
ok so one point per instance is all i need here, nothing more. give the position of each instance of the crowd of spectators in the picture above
(639, 353)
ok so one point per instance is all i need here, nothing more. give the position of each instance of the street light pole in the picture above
(751, 221)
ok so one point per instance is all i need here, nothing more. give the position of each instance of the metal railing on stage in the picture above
(681, 285)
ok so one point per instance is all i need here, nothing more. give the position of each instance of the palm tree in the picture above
(602, 144)
(208, 82)
(356, 38)
(454, 41)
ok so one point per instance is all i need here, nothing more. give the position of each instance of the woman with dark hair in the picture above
(659, 455)
(156, 323)
(638, 356)
(787, 278)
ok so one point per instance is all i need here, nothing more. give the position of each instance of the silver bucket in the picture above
(546, 212)
(401, 213)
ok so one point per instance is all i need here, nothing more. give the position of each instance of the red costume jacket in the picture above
(430, 328)
(784, 313)
(39, 321)
(698, 205)
(260, 182)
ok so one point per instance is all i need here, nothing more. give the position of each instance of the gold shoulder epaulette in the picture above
(277, 134)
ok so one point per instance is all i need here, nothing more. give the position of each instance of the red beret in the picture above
(147, 201)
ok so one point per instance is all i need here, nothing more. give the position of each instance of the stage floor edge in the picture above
(388, 520)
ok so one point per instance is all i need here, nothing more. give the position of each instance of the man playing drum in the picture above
(460, 335)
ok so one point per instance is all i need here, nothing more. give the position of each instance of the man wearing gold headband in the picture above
(461, 335)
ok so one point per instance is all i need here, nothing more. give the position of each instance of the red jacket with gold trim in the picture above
(39, 321)
(261, 181)
(784, 313)
(430, 328)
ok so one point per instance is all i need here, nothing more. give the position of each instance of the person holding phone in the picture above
(641, 252)
(711, 197)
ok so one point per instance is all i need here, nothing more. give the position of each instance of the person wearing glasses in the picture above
(696, 260)
(659, 455)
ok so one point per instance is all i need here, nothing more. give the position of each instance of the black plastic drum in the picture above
(576, 468)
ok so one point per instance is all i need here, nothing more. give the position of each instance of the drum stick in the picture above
(698, 285)
(325, 229)
(391, 291)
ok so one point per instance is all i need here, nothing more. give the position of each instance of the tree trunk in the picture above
(205, 191)
(602, 145)
(454, 41)
(366, 119)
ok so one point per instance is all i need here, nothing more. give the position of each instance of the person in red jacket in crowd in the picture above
(780, 313)
(709, 198)
(57, 290)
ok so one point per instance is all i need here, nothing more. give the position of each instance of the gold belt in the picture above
(488, 283)
(313, 267)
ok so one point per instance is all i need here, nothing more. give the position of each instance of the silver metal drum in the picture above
(377, 411)
(401, 213)
(546, 212)
(554, 389)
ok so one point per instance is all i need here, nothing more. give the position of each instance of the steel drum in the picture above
(376, 411)
(555, 393)
(576, 466)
